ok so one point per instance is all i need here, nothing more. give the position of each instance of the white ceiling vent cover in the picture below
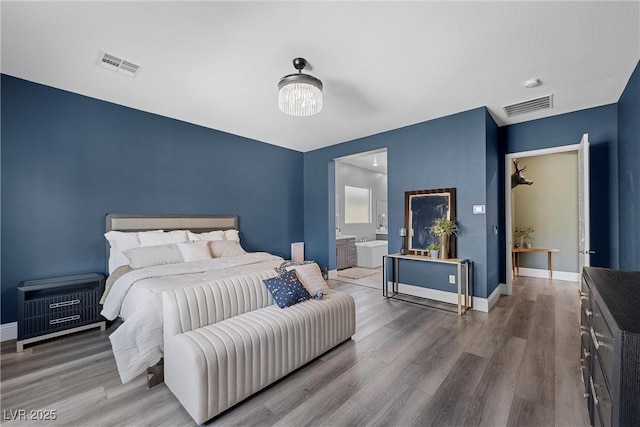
(120, 65)
(529, 106)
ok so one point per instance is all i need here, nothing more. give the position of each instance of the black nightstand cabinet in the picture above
(611, 304)
(49, 308)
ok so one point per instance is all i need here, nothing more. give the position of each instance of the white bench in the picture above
(225, 340)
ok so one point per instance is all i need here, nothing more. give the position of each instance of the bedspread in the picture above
(137, 298)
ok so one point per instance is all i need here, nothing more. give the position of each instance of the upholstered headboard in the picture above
(194, 223)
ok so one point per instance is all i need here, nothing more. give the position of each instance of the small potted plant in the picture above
(433, 249)
(444, 228)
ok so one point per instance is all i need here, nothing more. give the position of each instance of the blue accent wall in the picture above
(68, 160)
(629, 172)
(446, 152)
(601, 123)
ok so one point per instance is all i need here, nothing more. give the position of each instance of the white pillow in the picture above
(226, 248)
(156, 238)
(311, 278)
(148, 256)
(211, 235)
(121, 241)
(116, 259)
(195, 251)
(232, 235)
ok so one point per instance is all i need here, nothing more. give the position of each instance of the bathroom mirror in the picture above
(421, 208)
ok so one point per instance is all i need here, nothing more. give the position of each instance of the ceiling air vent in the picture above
(529, 106)
(114, 63)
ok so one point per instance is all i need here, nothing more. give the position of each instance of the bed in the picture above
(135, 294)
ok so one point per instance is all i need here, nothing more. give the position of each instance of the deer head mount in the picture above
(517, 178)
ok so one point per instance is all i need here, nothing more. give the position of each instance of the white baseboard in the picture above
(501, 289)
(333, 274)
(544, 274)
(480, 304)
(8, 331)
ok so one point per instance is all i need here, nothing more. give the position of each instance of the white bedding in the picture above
(137, 298)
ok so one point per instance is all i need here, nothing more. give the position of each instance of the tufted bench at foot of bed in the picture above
(218, 354)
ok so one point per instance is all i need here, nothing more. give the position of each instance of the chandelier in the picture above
(300, 94)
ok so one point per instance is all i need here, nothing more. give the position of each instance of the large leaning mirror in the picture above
(421, 208)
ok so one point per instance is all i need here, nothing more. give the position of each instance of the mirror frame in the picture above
(451, 214)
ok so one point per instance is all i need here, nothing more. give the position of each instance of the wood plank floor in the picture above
(406, 365)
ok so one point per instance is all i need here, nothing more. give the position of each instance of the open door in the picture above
(583, 203)
(584, 245)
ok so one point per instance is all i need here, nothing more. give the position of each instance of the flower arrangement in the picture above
(443, 227)
(520, 234)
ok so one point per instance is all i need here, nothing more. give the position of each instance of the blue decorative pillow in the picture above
(287, 289)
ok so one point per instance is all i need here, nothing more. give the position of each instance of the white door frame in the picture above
(508, 158)
(584, 233)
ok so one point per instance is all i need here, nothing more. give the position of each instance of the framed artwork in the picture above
(422, 207)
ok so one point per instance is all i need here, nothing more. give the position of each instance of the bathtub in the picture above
(369, 254)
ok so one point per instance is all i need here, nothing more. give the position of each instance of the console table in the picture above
(515, 259)
(462, 271)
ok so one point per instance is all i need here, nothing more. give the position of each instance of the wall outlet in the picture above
(452, 279)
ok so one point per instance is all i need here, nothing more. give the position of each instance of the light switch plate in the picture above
(478, 209)
(452, 279)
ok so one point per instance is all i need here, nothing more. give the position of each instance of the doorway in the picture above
(361, 216)
(569, 200)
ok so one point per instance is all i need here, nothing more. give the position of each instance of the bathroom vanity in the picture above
(345, 251)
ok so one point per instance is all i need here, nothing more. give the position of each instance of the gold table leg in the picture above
(466, 269)
(460, 289)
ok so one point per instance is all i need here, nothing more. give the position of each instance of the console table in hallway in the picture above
(515, 259)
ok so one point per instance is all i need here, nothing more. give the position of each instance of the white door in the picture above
(584, 246)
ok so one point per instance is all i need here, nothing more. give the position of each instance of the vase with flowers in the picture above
(522, 236)
(444, 228)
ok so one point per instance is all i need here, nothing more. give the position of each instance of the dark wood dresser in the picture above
(610, 347)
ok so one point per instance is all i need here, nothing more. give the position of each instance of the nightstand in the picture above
(49, 308)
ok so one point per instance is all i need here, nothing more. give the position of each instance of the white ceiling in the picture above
(384, 65)
(375, 161)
